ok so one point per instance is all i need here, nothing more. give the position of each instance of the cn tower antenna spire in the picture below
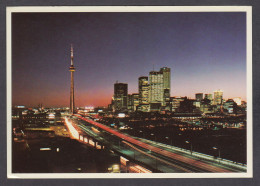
(71, 55)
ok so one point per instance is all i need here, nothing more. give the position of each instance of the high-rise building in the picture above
(143, 90)
(199, 96)
(72, 70)
(143, 94)
(218, 97)
(130, 103)
(166, 85)
(156, 87)
(159, 86)
(135, 100)
(120, 96)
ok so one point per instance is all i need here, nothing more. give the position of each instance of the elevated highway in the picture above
(160, 156)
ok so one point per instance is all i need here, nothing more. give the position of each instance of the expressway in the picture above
(162, 154)
(79, 128)
(198, 156)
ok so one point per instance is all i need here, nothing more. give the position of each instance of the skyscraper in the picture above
(143, 93)
(159, 82)
(218, 97)
(135, 101)
(120, 96)
(72, 70)
(166, 85)
(156, 87)
(132, 102)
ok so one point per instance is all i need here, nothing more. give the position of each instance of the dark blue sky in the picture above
(205, 51)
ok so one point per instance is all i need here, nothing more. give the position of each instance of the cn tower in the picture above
(72, 70)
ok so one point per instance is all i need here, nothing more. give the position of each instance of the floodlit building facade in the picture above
(143, 87)
(143, 90)
(218, 97)
(159, 86)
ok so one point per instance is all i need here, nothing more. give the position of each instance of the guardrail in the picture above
(202, 156)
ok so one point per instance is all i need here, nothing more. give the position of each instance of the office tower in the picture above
(143, 94)
(120, 96)
(156, 87)
(135, 101)
(218, 97)
(130, 103)
(159, 82)
(143, 90)
(72, 70)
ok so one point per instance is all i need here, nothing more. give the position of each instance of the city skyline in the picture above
(213, 55)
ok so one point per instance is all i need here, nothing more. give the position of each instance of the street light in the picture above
(154, 136)
(168, 139)
(215, 148)
(190, 146)
(142, 132)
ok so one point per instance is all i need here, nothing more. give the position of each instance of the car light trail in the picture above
(74, 133)
(159, 159)
(187, 160)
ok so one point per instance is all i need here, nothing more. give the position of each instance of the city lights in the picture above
(45, 149)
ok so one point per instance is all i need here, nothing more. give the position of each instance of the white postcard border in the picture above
(76, 9)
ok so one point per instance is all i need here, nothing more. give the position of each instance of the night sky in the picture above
(205, 51)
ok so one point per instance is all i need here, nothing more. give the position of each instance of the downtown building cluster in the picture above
(154, 96)
(153, 93)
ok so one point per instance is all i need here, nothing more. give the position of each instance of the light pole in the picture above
(168, 139)
(154, 136)
(142, 132)
(215, 148)
(190, 146)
